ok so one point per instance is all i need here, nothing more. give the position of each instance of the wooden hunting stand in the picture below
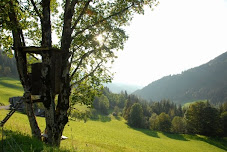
(35, 75)
(35, 78)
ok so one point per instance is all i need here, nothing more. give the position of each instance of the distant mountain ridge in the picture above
(208, 81)
(118, 87)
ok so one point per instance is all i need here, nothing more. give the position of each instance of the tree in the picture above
(153, 121)
(116, 111)
(136, 115)
(178, 125)
(79, 26)
(104, 104)
(202, 119)
(224, 123)
(164, 122)
(131, 99)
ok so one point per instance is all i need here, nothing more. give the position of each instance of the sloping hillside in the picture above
(208, 81)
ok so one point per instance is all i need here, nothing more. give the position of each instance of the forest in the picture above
(8, 66)
(199, 117)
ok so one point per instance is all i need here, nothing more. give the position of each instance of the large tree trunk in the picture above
(18, 42)
(56, 115)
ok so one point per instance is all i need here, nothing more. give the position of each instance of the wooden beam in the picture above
(37, 50)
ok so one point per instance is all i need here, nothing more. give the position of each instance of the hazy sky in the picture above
(176, 36)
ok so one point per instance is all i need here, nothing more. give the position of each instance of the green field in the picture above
(9, 88)
(106, 134)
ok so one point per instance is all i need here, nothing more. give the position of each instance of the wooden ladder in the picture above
(13, 109)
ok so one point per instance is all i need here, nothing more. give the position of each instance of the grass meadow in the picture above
(108, 134)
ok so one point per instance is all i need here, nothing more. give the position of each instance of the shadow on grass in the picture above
(217, 142)
(16, 141)
(175, 136)
(118, 118)
(147, 132)
(102, 118)
(8, 85)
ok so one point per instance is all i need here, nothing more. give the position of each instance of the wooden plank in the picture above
(38, 50)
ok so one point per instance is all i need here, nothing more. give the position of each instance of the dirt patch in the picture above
(5, 107)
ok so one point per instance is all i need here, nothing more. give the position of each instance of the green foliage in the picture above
(8, 66)
(85, 93)
(129, 101)
(153, 121)
(166, 106)
(164, 122)
(79, 115)
(178, 125)
(202, 118)
(136, 116)
(224, 124)
(116, 111)
(102, 104)
(223, 107)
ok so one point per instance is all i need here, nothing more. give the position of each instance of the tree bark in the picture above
(18, 42)
(31, 116)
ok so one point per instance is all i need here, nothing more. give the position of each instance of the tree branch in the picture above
(33, 56)
(67, 31)
(81, 60)
(36, 10)
(73, 3)
(86, 76)
(87, 54)
(104, 19)
(74, 50)
(81, 14)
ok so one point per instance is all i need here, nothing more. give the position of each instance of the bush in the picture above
(81, 115)
(94, 114)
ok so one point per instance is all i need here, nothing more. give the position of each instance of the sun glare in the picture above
(100, 38)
